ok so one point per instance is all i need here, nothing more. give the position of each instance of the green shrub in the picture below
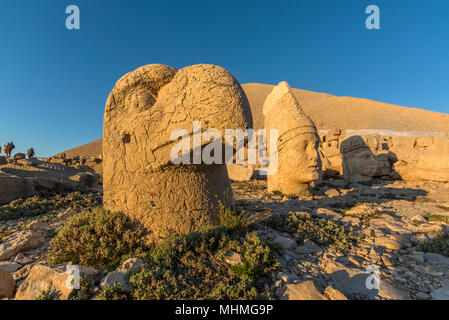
(249, 186)
(113, 292)
(83, 293)
(305, 194)
(49, 204)
(320, 230)
(231, 219)
(193, 267)
(439, 244)
(438, 217)
(424, 199)
(96, 238)
(5, 231)
(46, 295)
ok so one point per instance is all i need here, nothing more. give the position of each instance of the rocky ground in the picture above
(394, 218)
(390, 221)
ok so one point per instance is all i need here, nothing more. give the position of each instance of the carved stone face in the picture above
(361, 165)
(302, 158)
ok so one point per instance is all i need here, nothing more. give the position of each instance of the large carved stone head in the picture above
(143, 110)
(359, 162)
(298, 157)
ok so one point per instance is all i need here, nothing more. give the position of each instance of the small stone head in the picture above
(359, 162)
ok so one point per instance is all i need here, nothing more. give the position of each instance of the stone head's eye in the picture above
(126, 138)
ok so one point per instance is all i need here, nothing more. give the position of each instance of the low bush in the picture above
(320, 230)
(96, 238)
(194, 266)
(439, 244)
(49, 204)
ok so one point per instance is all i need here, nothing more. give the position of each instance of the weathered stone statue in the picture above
(359, 162)
(31, 153)
(19, 156)
(143, 110)
(384, 166)
(298, 142)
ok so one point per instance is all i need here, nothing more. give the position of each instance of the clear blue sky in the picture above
(54, 82)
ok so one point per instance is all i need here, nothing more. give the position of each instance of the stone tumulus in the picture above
(298, 142)
(142, 111)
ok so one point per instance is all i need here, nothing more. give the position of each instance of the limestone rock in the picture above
(351, 281)
(237, 172)
(22, 180)
(298, 160)
(362, 209)
(389, 226)
(305, 290)
(92, 275)
(233, 258)
(120, 275)
(116, 277)
(7, 284)
(22, 273)
(42, 278)
(23, 259)
(334, 294)
(86, 178)
(388, 243)
(308, 247)
(131, 265)
(288, 277)
(441, 294)
(142, 112)
(436, 258)
(285, 242)
(12, 187)
(11, 267)
(328, 214)
(18, 242)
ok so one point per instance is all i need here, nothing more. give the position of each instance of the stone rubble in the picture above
(390, 225)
